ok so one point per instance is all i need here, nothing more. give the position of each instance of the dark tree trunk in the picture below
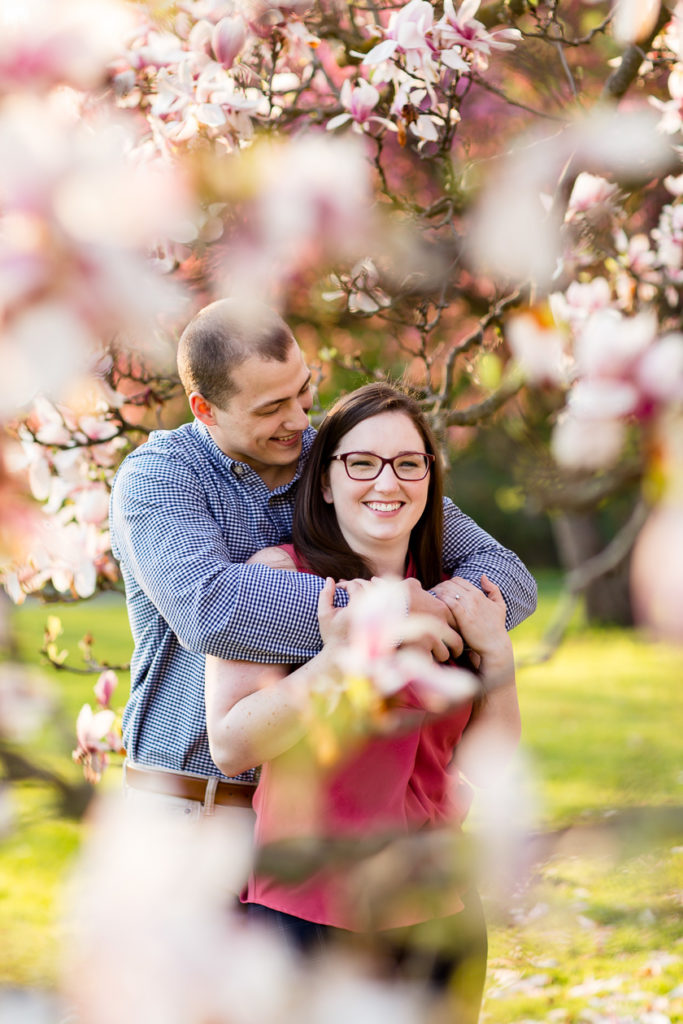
(578, 539)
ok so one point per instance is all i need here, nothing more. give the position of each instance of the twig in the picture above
(577, 580)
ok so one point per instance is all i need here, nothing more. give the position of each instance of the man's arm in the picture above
(470, 552)
(165, 536)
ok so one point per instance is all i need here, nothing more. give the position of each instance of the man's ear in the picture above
(201, 409)
(325, 488)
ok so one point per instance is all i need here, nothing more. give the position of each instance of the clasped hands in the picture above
(452, 613)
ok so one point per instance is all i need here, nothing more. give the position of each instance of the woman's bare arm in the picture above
(253, 711)
(494, 730)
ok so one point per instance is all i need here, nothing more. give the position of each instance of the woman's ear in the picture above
(201, 409)
(325, 488)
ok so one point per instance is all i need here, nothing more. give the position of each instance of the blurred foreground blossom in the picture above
(634, 20)
(26, 701)
(311, 202)
(43, 43)
(372, 663)
(623, 372)
(516, 230)
(657, 572)
(78, 215)
(152, 917)
(539, 348)
(657, 563)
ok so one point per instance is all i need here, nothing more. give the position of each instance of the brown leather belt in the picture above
(190, 787)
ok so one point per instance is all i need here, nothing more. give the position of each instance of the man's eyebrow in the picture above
(279, 401)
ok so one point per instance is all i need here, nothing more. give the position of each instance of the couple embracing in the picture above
(232, 533)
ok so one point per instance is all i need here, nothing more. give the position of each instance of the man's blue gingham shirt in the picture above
(184, 517)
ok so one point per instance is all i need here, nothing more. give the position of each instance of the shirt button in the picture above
(238, 469)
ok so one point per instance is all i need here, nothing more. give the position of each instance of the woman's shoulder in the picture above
(275, 558)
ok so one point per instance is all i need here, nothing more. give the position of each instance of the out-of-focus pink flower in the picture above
(633, 20)
(105, 686)
(91, 504)
(657, 572)
(227, 40)
(659, 373)
(539, 348)
(586, 444)
(378, 624)
(672, 109)
(610, 344)
(25, 702)
(581, 299)
(43, 43)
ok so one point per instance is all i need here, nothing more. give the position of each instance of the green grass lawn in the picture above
(593, 933)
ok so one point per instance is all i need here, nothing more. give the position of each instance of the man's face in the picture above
(263, 422)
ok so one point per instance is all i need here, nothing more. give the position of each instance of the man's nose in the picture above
(297, 418)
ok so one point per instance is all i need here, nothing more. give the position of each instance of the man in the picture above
(191, 505)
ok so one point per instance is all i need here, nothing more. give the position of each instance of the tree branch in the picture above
(580, 578)
(621, 79)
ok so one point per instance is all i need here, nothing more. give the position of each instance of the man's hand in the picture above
(441, 640)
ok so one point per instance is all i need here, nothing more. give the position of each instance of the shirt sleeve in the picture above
(166, 538)
(470, 551)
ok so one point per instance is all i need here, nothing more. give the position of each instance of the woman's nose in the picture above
(387, 479)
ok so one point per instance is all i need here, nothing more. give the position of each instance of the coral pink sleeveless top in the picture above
(387, 784)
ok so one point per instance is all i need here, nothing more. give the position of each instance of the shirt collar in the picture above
(240, 471)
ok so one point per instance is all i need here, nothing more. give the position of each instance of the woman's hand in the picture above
(480, 616)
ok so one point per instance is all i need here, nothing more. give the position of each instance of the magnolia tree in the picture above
(488, 195)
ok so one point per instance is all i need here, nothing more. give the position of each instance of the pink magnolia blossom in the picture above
(460, 28)
(590, 191)
(406, 34)
(581, 299)
(668, 239)
(105, 686)
(360, 100)
(96, 738)
(227, 39)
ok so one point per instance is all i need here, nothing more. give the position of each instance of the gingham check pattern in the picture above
(183, 518)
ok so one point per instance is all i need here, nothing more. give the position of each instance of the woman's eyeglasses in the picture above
(368, 466)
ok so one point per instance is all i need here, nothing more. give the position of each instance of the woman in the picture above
(369, 506)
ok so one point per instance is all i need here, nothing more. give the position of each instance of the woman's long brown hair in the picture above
(315, 532)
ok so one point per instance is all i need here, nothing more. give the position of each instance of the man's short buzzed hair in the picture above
(222, 336)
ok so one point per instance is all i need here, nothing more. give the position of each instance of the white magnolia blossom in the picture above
(634, 20)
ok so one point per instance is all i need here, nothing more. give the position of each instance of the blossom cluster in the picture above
(68, 461)
(98, 733)
(601, 338)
